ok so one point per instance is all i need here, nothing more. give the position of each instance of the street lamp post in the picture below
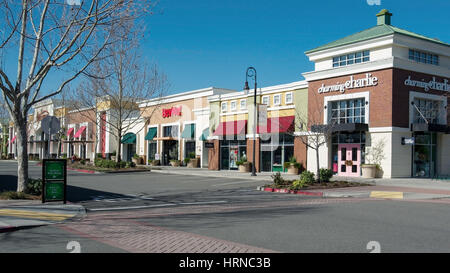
(251, 73)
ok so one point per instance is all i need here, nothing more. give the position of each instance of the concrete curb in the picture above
(206, 174)
(309, 193)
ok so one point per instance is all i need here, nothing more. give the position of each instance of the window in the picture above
(243, 104)
(265, 100)
(352, 58)
(428, 108)
(224, 106)
(170, 131)
(423, 57)
(233, 105)
(348, 111)
(277, 99)
(288, 98)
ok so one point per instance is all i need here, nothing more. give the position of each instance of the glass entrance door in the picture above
(424, 163)
(170, 151)
(349, 156)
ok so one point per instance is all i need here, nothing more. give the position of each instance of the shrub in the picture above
(122, 164)
(111, 164)
(136, 156)
(307, 177)
(278, 179)
(130, 165)
(82, 162)
(150, 161)
(325, 175)
(34, 186)
(186, 160)
(298, 184)
(191, 155)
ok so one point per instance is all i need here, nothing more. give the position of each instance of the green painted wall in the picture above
(301, 108)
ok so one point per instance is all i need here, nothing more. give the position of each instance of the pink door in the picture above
(349, 159)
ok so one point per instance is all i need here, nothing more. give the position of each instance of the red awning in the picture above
(12, 140)
(70, 131)
(237, 127)
(80, 131)
(277, 125)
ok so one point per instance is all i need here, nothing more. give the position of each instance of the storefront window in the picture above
(189, 149)
(152, 150)
(348, 111)
(232, 151)
(275, 150)
(424, 164)
(170, 131)
(429, 110)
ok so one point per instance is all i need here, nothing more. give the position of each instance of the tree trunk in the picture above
(119, 148)
(22, 154)
(317, 165)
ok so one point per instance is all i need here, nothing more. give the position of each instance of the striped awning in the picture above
(79, 132)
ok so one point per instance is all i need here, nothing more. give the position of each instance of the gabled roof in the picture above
(371, 33)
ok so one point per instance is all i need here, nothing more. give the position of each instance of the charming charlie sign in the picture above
(352, 83)
(433, 84)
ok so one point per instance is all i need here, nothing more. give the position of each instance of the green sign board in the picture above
(54, 181)
(54, 191)
(54, 170)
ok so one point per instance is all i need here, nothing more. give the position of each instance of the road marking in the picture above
(157, 206)
(203, 203)
(387, 194)
(34, 214)
(232, 183)
(133, 207)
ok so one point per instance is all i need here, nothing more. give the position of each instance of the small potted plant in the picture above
(374, 157)
(193, 161)
(136, 159)
(154, 163)
(243, 165)
(175, 163)
(113, 156)
(292, 166)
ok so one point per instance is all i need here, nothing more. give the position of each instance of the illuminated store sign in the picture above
(433, 84)
(350, 84)
(174, 111)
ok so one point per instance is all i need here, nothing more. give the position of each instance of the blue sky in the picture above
(202, 43)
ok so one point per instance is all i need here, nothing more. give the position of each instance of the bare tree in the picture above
(122, 80)
(56, 38)
(4, 118)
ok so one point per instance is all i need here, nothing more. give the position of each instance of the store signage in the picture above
(174, 111)
(262, 115)
(433, 84)
(352, 83)
(157, 157)
(408, 141)
(209, 145)
(54, 180)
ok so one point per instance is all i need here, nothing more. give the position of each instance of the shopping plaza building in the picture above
(382, 89)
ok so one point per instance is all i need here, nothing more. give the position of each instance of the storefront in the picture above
(276, 139)
(381, 99)
(177, 127)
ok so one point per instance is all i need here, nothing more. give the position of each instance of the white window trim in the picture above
(328, 99)
(417, 95)
(240, 104)
(268, 100)
(279, 99)
(292, 98)
(235, 105)
(222, 106)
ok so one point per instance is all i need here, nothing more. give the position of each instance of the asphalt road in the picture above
(230, 210)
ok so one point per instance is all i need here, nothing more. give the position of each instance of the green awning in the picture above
(205, 135)
(129, 138)
(151, 133)
(189, 131)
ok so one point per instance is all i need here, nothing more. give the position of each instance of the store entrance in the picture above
(349, 159)
(170, 151)
(424, 163)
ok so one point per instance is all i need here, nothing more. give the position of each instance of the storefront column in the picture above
(257, 153)
(214, 156)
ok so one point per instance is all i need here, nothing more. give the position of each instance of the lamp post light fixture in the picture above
(251, 73)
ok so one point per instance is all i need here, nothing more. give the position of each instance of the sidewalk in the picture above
(395, 188)
(18, 214)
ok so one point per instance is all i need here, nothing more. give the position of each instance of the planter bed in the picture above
(315, 186)
(105, 170)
